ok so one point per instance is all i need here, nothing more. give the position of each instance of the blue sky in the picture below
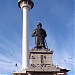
(57, 18)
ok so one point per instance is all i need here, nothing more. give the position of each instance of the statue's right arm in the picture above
(34, 33)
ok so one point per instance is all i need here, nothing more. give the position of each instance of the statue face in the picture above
(39, 26)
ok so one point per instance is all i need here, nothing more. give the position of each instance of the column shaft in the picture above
(25, 45)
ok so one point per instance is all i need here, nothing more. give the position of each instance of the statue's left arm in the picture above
(44, 33)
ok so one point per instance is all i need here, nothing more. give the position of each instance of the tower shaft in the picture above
(25, 45)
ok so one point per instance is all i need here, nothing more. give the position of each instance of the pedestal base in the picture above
(41, 64)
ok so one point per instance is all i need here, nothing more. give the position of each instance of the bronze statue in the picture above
(39, 33)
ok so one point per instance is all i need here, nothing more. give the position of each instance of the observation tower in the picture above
(26, 6)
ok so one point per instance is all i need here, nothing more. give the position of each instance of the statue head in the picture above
(39, 26)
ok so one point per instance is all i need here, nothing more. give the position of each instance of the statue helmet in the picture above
(39, 24)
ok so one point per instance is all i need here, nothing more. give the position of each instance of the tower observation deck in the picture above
(28, 2)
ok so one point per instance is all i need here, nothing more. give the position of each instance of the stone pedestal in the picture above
(40, 57)
(41, 64)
